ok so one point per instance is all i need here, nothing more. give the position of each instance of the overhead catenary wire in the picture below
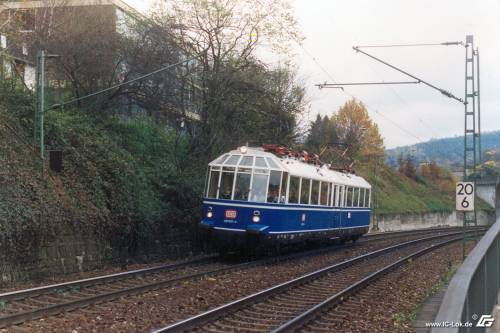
(412, 45)
(142, 77)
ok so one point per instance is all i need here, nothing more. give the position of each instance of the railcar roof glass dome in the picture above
(253, 157)
(258, 158)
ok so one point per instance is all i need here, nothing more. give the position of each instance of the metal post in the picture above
(478, 94)
(374, 208)
(40, 103)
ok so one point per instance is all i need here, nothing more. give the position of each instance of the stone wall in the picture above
(429, 220)
(76, 251)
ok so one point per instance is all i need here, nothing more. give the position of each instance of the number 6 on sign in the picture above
(465, 196)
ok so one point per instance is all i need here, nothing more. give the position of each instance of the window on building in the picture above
(213, 184)
(3, 41)
(226, 183)
(305, 191)
(293, 195)
(259, 188)
(25, 20)
(273, 191)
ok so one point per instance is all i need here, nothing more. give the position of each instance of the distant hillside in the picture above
(446, 151)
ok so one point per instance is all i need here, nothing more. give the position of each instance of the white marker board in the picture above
(465, 196)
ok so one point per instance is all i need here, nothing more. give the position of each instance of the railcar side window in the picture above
(242, 186)
(350, 194)
(340, 193)
(226, 185)
(213, 182)
(293, 195)
(362, 197)
(273, 191)
(284, 183)
(367, 198)
(323, 199)
(259, 188)
(334, 195)
(305, 191)
(355, 198)
(315, 193)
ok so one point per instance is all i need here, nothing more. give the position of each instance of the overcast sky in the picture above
(410, 113)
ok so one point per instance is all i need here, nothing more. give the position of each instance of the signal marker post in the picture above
(464, 198)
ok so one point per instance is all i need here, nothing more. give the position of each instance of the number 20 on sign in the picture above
(465, 196)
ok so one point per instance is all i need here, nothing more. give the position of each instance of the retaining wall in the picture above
(429, 220)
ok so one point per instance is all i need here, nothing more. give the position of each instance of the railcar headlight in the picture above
(210, 213)
(256, 217)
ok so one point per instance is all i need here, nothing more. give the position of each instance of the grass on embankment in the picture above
(394, 193)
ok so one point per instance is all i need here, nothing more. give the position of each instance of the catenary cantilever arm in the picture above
(442, 91)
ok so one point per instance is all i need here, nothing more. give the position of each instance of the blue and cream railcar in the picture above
(255, 196)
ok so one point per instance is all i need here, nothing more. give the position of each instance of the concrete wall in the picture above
(487, 193)
(429, 220)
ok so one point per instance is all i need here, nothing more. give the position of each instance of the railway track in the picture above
(289, 306)
(24, 305)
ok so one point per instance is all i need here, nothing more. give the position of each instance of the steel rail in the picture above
(304, 318)
(214, 314)
(37, 291)
(52, 309)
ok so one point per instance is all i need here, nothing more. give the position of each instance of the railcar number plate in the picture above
(231, 214)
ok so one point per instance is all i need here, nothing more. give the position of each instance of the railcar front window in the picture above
(362, 197)
(242, 186)
(284, 183)
(259, 188)
(367, 198)
(315, 193)
(213, 182)
(323, 199)
(273, 191)
(226, 185)
(293, 195)
(305, 191)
